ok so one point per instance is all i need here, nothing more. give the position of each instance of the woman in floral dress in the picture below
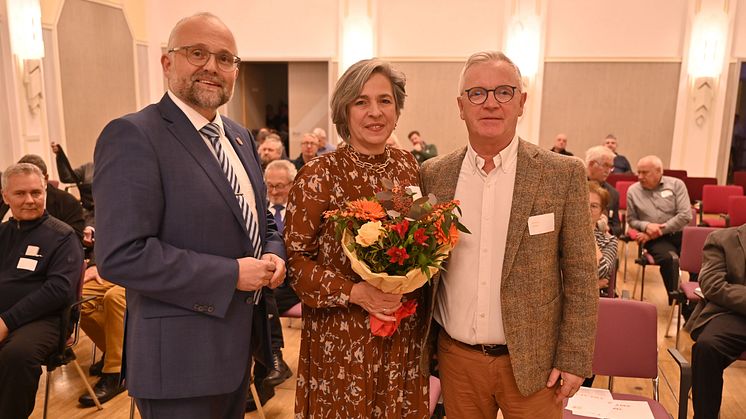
(344, 371)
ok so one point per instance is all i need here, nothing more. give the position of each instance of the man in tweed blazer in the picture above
(517, 308)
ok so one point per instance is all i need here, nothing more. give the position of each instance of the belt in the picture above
(489, 350)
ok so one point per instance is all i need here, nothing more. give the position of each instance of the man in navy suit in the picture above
(182, 224)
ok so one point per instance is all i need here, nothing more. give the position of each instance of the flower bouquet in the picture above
(396, 241)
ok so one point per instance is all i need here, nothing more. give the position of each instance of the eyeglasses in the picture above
(605, 166)
(271, 186)
(199, 56)
(595, 206)
(308, 143)
(478, 95)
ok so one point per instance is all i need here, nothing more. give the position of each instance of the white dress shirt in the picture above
(468, 302)
(199, 121)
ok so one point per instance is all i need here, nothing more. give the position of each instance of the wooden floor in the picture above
(66, 385)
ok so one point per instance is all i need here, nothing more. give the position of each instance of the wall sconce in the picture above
(357, 33)
(25, 29)
(707, 44)
(523, 44)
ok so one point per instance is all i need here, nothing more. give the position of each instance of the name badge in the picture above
(32, 250)
(27, 264)
(540, 224)
(666, 193)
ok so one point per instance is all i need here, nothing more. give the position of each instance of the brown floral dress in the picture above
(344, 371)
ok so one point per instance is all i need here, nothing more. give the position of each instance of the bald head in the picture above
(201, 65)
(649, 171)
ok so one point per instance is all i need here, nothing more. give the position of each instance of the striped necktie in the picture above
(212, 132)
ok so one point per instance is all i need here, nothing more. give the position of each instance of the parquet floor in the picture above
(67, 387)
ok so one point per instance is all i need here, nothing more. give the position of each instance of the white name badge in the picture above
(32, 251)
(540, 224)
(666, 193)
(27, 264)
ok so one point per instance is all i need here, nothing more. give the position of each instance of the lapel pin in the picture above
(238, 140)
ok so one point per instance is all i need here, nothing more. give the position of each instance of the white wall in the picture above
(614, 29)
(739, 34)
(438, 28)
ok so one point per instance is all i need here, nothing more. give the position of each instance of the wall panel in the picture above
(634, 101)
(97, 69)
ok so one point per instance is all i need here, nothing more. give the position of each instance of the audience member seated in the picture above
(658, 207)
(421, 150)
(309, 146)
(261, 135)
(278, 176)
(60, 204)
(560, 144)
(325, 146)
(40, 269)
(102, 319)
(621, 164)
(718, 323)
(598, 164)
(271, 149)
(82, 177)
(606, 243)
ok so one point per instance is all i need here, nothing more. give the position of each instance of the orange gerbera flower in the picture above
(440, 235)
(366, 210)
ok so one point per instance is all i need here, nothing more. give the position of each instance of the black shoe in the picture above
(280, 371)
(105, 389)
(97, 367)
(265, 393)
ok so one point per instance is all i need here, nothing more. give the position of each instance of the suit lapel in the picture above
(448, 173)
(527, 177)
(742, 238)
(193, 142)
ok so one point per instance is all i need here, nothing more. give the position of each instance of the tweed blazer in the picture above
(722, 278)
(549, 292)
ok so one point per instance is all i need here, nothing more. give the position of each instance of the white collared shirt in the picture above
(199, 121)
(468, 303)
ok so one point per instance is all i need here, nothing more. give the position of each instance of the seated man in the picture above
(271, 149)
(560, 144)
(621, 164)
(278, 176)
(598, 165)
(658, 207)
(718, 323)
(102, 319)
(309, 146)
(40, 267)
(421, 150)
(60, 204)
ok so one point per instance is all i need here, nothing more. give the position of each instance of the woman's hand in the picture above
(376, 302)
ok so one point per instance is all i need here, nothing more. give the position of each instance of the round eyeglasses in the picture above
(502, 94)
(199, 56)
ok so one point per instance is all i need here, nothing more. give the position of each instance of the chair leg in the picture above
(88, 387)
(259, 408)
(46, 392)
(670, 320)
(678, 325)
(132, 408)
(642, 283)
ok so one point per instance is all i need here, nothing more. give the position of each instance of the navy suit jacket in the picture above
(170, 231)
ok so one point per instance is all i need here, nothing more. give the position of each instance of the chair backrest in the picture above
(692, 243)
(694, 186)
(715, 197)
(739, 178)
(614, 178)
(681, 174)
(737, 210)
(622, 186)
(632, 349)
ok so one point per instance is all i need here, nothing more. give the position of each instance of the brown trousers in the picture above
(102, 319)
(477, 386)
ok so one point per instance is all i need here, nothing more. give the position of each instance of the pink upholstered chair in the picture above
(629, 351)
(715, 201)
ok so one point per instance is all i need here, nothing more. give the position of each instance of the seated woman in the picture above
(606, 243)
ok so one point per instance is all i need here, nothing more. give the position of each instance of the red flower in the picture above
(401, 228)
(420, 237)
(398, 255)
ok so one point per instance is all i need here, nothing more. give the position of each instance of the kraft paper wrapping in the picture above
(392, 284)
